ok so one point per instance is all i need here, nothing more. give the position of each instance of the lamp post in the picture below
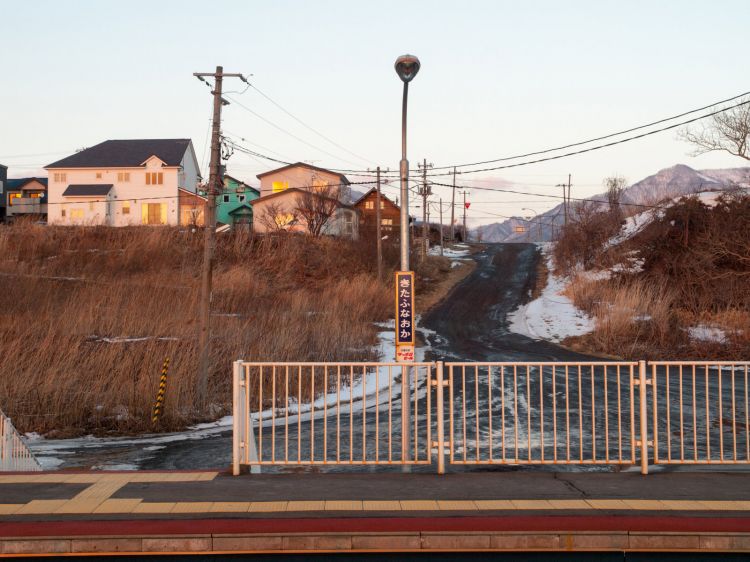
(538, 223)
(406, 67)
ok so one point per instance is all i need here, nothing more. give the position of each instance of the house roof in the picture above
(126, 154)
(18, 183)
(87, 190)
(296, 190)
(382, 196)
(240, 182)
(242, 210)
(342, 177)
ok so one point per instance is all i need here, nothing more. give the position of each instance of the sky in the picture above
(498, 78)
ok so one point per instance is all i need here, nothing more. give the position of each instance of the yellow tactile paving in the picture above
(306, 506)
(458, 505)
(568, 504)
(645, 505)
(683, 505)
(91, 478)
(92, 497)
(381, 505)
(40, 507)
(531, 504)
(118, 506)
(726, 505)
(10, 508)
(192, 507)
(268, 506)
(607, 504)
(419, 505)
(230, 507)
(494, 504)
(343, 505)
(154, 507)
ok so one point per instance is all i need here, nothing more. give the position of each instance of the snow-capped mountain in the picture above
(666, 184)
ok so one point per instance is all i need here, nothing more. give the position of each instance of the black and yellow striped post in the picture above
(159, 404)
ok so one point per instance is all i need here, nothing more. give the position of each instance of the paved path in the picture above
(210, 511)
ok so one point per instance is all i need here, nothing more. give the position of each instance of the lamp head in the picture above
(407, 67)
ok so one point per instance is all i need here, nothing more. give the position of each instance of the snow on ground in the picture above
(553, 316)
(457, 253)
(705, 333)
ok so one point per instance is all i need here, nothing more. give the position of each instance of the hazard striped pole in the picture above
(158, 405)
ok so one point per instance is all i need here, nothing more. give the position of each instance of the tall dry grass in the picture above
(89, 315)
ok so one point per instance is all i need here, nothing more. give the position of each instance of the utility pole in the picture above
(442, 238)
(453, 207)
(209, 230)
(377, 229)
(566, 198)
(466, 234)
(425, 192)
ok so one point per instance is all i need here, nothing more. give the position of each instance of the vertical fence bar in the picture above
(440, 420)
(644, 414)
(236, 416)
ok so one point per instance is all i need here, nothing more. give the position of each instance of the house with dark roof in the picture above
(124, 182)
(297, 196)
(233, 203)
(25, 197)
(390, 215)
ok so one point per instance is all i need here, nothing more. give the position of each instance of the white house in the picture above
(123, 182)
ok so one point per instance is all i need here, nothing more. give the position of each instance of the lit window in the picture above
(12, 196)
(369, 205)
(60, 176)
(154, 213)
(279, 186)
(35, 195)
(126, 208)
(76, 213)
(226, 199)
(154, 178)
(382, 204)
(123, 176)
(386, 222)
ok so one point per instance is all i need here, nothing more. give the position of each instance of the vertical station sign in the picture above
(404, 316)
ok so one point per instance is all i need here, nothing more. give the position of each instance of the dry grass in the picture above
(275, 298)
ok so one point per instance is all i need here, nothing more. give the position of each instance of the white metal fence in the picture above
(14, 454)
(509, 413)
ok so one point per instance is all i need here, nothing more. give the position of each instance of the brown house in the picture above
(390, 214)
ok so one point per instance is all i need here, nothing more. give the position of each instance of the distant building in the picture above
(123, 182)
(285, 190)
(390, 215)
(25, 197)
(233, 204)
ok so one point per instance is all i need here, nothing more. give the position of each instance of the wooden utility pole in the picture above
(453, 207)
(209, 229)
(466, 234)
(442, 238)
(566, 198)
(377, 228)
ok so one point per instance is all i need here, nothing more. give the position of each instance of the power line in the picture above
(579, 143)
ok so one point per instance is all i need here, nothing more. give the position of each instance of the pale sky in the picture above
(498, 78)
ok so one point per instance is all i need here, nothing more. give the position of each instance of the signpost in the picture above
(405, 316)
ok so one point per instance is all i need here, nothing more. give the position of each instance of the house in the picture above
(25, 197)
(390, 215)
(3, 179)
(192, 208)
(123, 182)
(293, 198)
(233, 204)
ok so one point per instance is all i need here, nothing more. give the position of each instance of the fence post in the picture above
(440, 419)
(237, 401)
(643, 417)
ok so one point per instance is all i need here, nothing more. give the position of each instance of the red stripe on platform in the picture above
(562, 523)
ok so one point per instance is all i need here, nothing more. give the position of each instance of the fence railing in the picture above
(14, 454)
(504, 413)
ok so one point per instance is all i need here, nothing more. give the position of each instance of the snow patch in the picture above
(706, 333)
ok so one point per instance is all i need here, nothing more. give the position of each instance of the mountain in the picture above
(677, 181)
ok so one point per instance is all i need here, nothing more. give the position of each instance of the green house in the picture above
(233, 204)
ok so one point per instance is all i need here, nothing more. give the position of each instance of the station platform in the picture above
(74, 513)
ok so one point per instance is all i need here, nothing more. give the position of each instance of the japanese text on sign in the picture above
(404, 307)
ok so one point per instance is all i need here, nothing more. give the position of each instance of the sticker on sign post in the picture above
(404, 316)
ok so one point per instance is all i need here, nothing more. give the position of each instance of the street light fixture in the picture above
(406, 67)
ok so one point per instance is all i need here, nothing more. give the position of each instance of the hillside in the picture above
(665, 184)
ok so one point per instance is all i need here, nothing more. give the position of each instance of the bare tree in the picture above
(316, 206)
(615, 186)
(727, 131)
(276, 218)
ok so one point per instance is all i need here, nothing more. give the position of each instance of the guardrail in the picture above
(504, 413)
(14, 454)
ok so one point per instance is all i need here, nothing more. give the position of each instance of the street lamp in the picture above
(538, 223)
(407, 67)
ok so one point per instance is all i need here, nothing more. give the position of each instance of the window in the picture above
(35, 195)
(126, 208)
(154, 213)
(12, 196)
(123, 177)
(382, 204)
(225, 199)
(98, 175)
(369, 204)
(91, 205)
(279, 186)
(60, 176)
(241, 198)
(62, 213)
(386, 222)
(154, 178)
(76, 214)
